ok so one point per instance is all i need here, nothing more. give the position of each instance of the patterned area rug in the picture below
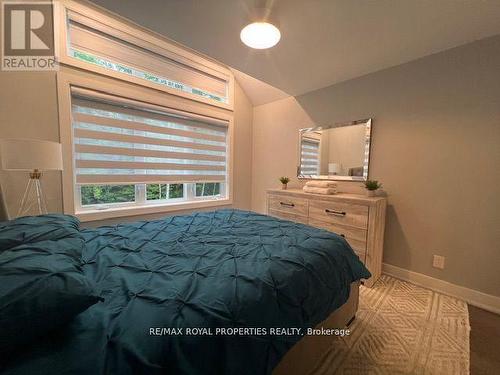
(401, 328)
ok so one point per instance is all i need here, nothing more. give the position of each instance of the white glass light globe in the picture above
(260, 35)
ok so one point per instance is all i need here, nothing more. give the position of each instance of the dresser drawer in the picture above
(354, 236)
(339, 213)
(288, 216)
(290, 205)
(344, 214)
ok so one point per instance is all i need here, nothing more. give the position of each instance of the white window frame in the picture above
(137, 35)
(189, 195)
(141, 189)
(66, 78)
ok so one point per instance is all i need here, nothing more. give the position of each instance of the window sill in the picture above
(115, 212)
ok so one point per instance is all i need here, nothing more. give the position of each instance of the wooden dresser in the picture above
(359, 219)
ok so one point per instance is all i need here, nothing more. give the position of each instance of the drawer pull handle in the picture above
(336, 213)
(287, 204)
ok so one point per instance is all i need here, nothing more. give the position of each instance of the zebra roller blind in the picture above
(309, 159)
(119, 141)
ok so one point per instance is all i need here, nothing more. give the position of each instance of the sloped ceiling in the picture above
(257, 91)
(323, 41)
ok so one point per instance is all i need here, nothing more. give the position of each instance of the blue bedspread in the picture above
(221, 269)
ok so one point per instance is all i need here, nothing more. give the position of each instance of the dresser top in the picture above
(353, 198)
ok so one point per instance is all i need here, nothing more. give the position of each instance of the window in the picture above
(309, 160)
(92, 195)
(98, 42)
(164, 191)
(107, 194)
(128, 153)
(207, 189)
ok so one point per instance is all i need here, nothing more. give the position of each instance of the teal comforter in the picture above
(212, 270)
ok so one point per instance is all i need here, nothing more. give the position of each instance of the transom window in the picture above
(103, 44)
(127, 153)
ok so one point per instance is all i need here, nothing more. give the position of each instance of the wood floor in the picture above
(484, 342)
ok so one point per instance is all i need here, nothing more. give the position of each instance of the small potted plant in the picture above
(371, 187)
(284, 181)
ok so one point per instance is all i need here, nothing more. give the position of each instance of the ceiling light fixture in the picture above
(261, 33)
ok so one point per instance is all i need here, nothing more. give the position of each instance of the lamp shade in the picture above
(30, 154)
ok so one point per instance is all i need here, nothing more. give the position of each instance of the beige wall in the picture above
(436, 149)
(242, 171)
(324, 155)
(347, 147)
(28, 108)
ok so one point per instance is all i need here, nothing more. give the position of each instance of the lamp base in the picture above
(33, 196)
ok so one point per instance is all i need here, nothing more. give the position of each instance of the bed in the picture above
(224, 270)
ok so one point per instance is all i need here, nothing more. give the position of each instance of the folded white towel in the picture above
(317, 190)
(321, 184)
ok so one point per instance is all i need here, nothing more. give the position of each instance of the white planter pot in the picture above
(371, 193)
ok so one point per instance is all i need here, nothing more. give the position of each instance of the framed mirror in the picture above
(335, 152)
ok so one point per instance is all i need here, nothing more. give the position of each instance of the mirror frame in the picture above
(368, 122)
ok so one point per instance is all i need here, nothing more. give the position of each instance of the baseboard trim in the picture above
(471, 296)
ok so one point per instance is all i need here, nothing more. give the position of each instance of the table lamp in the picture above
(34, 156)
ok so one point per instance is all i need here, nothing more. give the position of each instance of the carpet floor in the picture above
(401, 328)
(484, 342)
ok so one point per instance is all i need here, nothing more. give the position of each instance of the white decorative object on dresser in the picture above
(359, 219)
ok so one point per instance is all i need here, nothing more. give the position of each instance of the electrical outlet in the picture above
(438, 262)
